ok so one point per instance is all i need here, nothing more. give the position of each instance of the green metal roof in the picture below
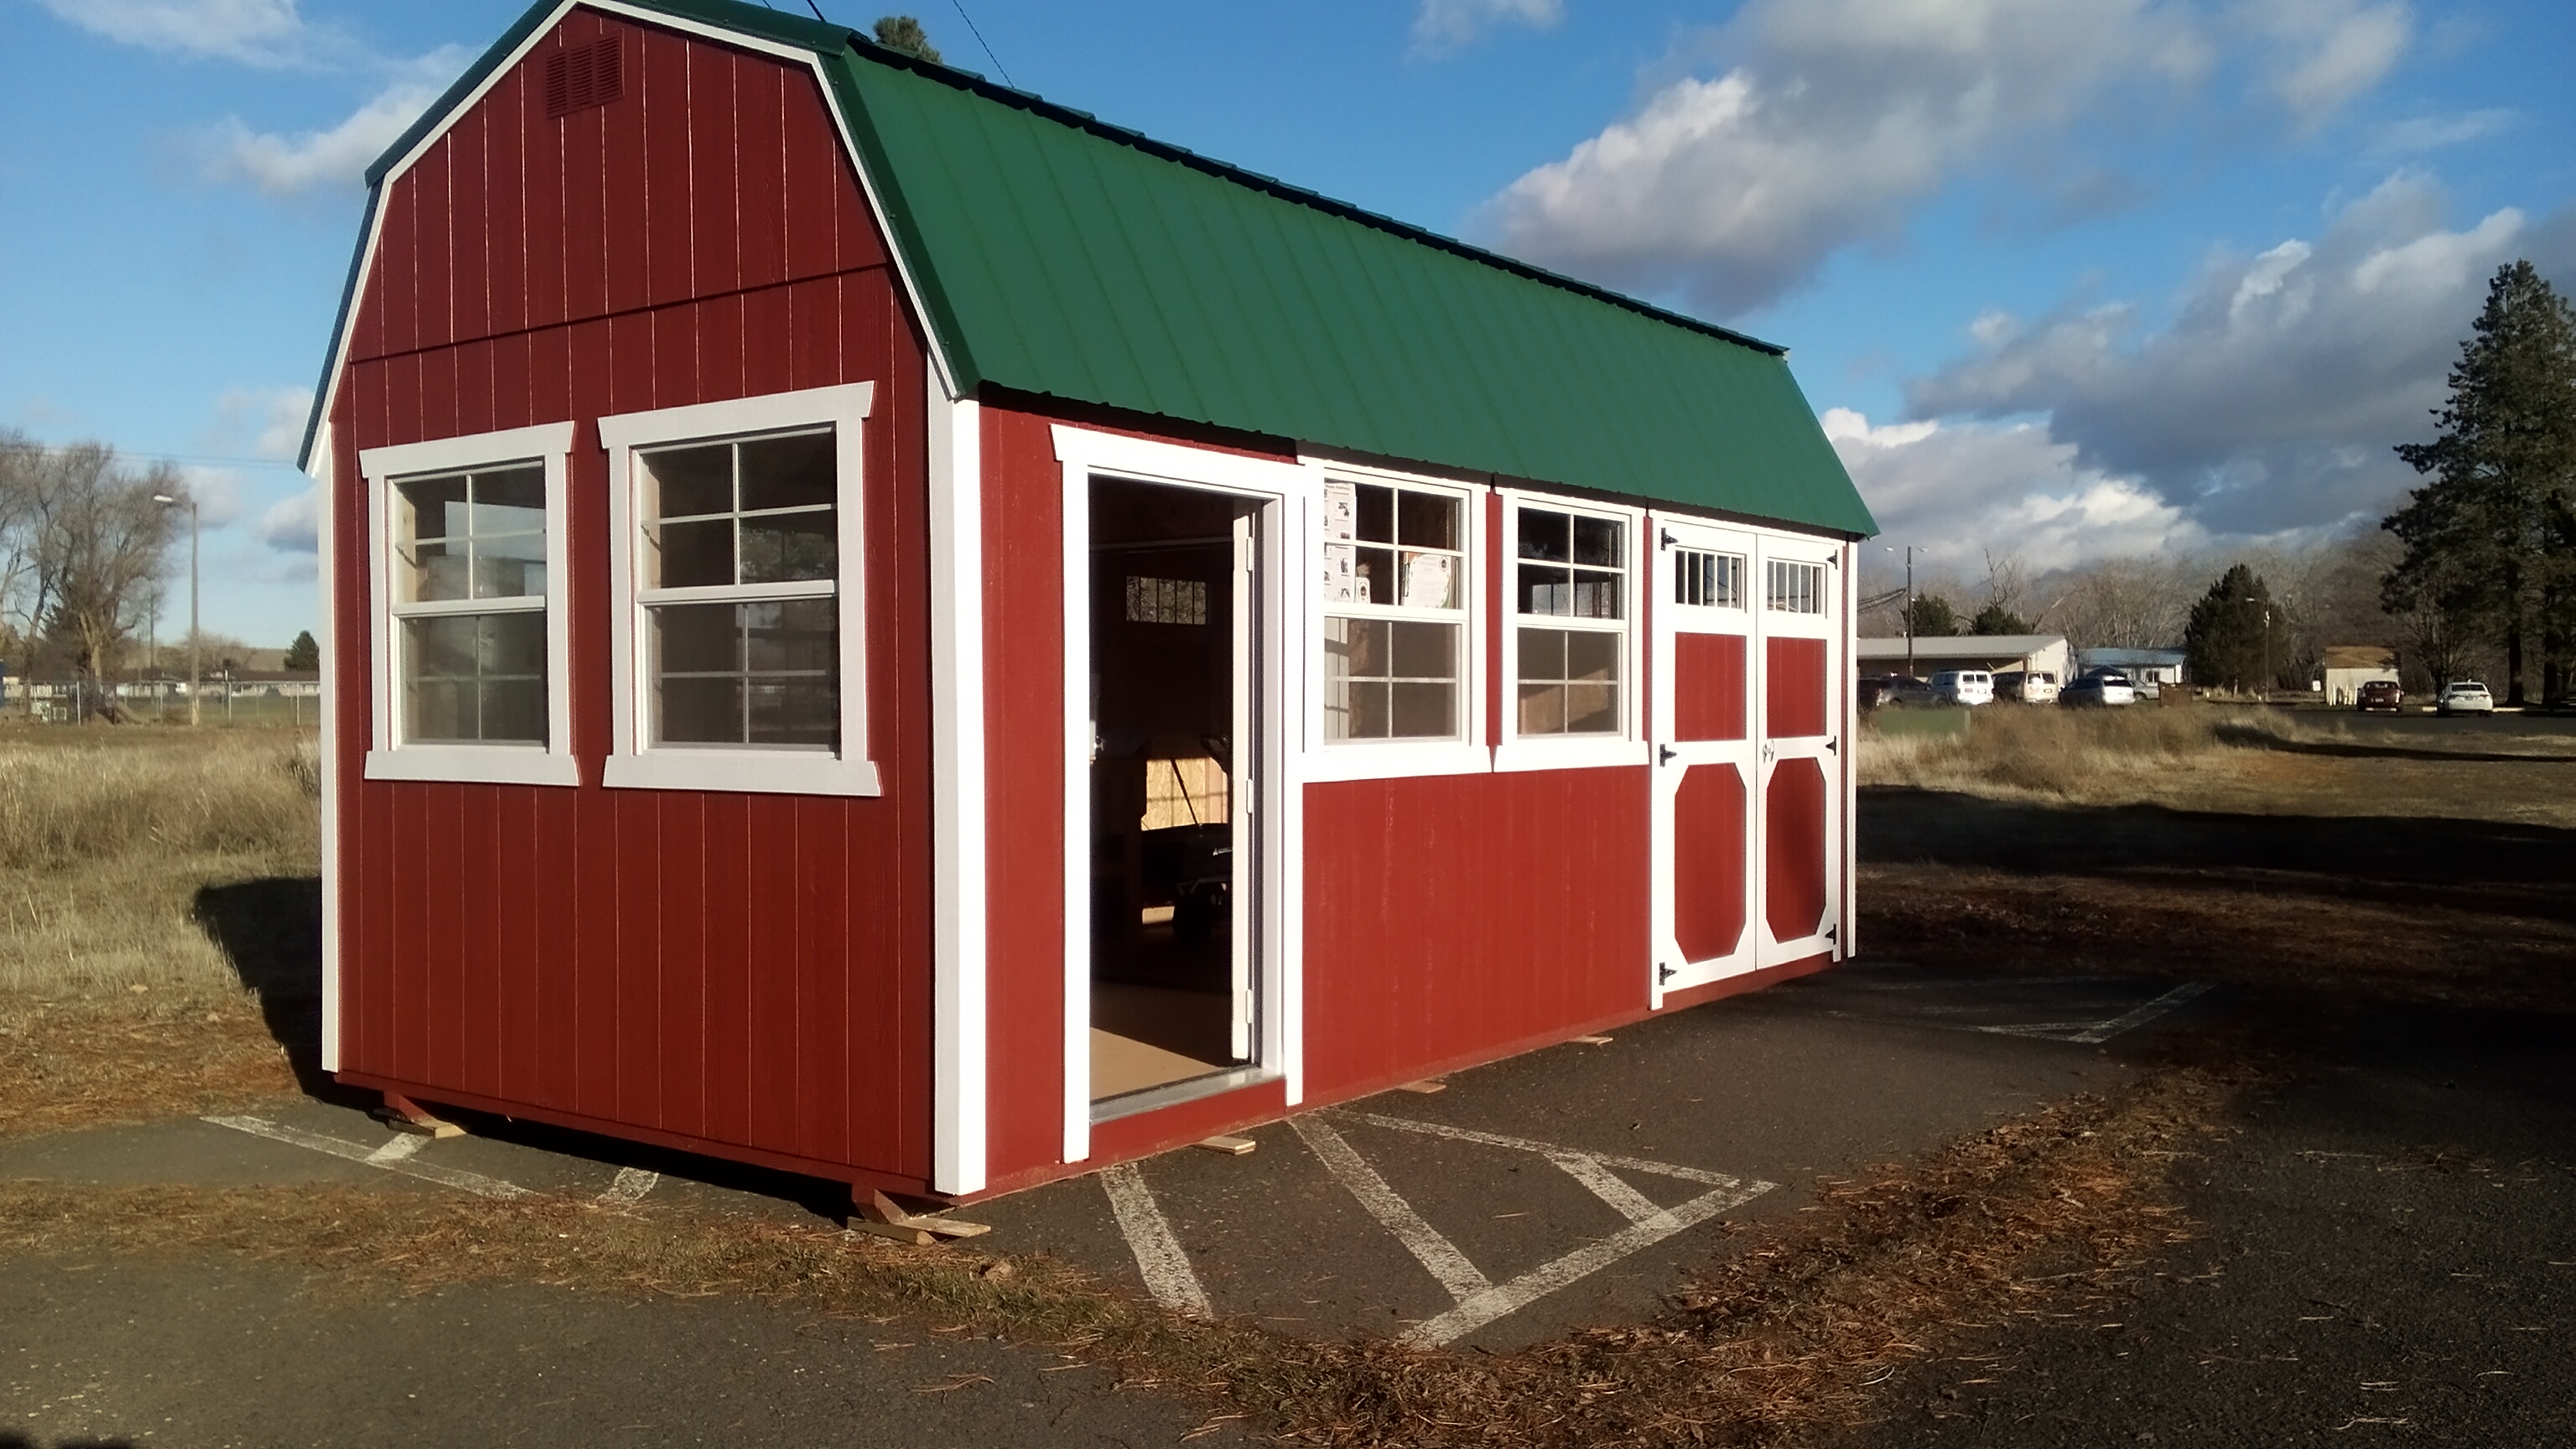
(1063, 257)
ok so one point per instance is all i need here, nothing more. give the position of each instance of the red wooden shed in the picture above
(885, 628)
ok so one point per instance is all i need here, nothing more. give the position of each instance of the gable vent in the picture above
(579, 77)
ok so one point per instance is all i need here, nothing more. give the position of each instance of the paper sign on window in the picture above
(1341, 573)
(1341, 511)
(1426, 581)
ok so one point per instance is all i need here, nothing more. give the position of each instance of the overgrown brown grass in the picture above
(108, 836)
(2062, 753)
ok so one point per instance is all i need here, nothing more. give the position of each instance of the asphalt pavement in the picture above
(2387, 1255)
(1567, 1187)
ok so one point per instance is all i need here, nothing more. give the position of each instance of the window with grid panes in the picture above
(1570, 592)
(739, 590)
(1796, 588)
(1395, 611)
(468, 581)
(1705, 579)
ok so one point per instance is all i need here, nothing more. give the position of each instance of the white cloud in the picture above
(288, 524)
(218, 492)
(289, 164)
(2419, 134)
(2271, 399)
(1954, 491)
(1838, 117)
(2322, 53)
(1442, 26)
(262, 422)
(266, 33)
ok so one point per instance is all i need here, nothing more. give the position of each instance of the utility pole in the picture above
(195, 637)
(1908, 614)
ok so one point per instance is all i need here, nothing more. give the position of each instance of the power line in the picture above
(193, 459)
(979, 40)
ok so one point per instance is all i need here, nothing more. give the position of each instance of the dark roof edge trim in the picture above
(339, 331)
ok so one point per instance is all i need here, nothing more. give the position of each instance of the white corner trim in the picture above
(390, 757)
(1077, 802)
(631, 763)
(960, 1020)
(322, 468)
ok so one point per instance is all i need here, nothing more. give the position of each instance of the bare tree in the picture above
(82, 550)
(2121, 603)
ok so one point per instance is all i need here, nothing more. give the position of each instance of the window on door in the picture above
(1570, 588)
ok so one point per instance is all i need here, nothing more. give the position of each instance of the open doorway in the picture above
(1174, 639)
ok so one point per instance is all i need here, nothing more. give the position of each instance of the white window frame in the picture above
(1331, 759)
(634, 764)
(1566, 752)
(390, 756)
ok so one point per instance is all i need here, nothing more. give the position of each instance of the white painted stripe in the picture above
(2143, 1014)
(473, 1182)
(631, 1185)
(403, 1145)
(1633, 1205)
(1551, 1149)
(1168, 1275)
(1476, 1311)
(1462, 1278)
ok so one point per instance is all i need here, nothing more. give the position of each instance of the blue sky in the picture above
(2065, 278)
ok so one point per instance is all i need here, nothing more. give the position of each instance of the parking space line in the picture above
(630, 1186)
(1168, 1275)
(403, 1145)
(2143, 1014)
(1551, 1149)
(1483, 1308)
(2094, 1033)
(1633, 1205)
(1463, 1279)
(365, 1156)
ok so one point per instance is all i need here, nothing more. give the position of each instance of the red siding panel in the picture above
(1708, 686)
(739, 974)
(1451, 917)
(1793, 690)
(1023, 793)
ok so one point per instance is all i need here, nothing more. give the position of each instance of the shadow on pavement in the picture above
(2484, 864)
(271, 931)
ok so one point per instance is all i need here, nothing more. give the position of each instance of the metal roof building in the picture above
(886, 628)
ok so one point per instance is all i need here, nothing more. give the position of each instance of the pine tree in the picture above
(1932, 617)
(2492, 538)
(2238, 635)
(304, 653)
(1996, 619)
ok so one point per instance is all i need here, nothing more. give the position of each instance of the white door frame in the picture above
(1826, 750)
(1271, 797)
(1671, 537)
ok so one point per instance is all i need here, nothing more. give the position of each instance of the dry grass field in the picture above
(155, 885)
(2304, 853)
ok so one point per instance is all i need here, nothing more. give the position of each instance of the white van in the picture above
(1970, 687)
(2031, 686)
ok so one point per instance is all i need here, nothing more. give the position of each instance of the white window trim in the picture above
(1571, 752)
(1330, 759)
(390, 757)
(633, 765)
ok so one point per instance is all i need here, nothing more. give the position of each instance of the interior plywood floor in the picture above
(1147, 1036)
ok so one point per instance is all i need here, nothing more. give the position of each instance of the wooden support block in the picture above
(917, 1237)
(1593, 1040)
(1425, 1087)
(405, 1115)
(874, 1212)
(1230, 1146)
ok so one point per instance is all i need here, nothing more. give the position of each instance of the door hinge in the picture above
(1664, 755)
(1829, 932)
(1668, 539)
(1664, 973)
(1833, 746)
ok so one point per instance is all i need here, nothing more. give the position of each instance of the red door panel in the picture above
(1708, 860)
(1708, 686)
(1794, 699)
(1794, 854)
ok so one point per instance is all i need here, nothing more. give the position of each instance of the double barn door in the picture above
(1747, 716)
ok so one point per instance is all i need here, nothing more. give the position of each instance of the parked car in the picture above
(2099, 688)
(2379, 694)
(1970, 687)
(2029, 686)
(1895, 691)
(2464, 696)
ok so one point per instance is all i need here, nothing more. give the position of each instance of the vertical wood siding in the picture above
(738, 971)
(1459, 916)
